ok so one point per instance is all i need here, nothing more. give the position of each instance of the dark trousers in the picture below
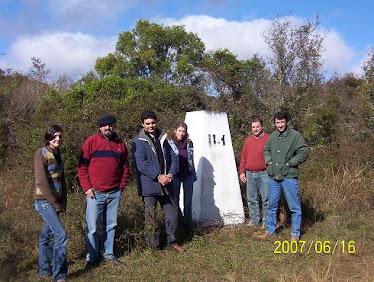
(152, 232)
(187, 198)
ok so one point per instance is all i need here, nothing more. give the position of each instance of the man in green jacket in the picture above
(284, 151)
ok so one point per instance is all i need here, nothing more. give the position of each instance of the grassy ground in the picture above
(233, 254)
(338, 208)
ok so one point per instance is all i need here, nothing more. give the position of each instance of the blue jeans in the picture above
(102, 209)
(290, 188)
(49, 252)
(187, 197)
(257, 182)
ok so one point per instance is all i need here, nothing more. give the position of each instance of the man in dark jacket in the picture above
(284, 151)
(103, 173)
(156, 164)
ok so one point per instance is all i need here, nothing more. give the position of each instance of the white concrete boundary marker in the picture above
(216, 197)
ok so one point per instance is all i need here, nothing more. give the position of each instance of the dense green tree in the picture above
(152, 50)
(228, 76)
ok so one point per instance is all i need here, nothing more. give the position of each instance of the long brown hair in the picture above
(180, 124)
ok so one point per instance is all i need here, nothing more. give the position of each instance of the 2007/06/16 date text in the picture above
(314, 246)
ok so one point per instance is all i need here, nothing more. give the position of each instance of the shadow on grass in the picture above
(79, 272)
(11, 266)
(310, 215)
(14, 260)
(129, 235)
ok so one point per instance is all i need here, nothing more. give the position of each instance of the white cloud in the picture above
(242, 38)
(245, 38)
(364, 58)
(71, 54)
(88, 16)
(337, 55)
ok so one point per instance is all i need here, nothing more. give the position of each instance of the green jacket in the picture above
(285, 151)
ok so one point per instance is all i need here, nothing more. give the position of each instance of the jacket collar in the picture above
(114, 136)
(161, 137)
(284, 133)
(260, 136)
(161, 134)
(53, 151)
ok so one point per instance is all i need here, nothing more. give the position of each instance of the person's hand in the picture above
(90, 193)
(57, 206)
(170, 177)
(243, 178)
(164, 179)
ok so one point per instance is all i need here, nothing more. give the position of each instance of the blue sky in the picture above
(69, 35)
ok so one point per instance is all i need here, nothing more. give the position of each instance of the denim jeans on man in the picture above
(257, 182)
(102, 209)
(187, 197)
(290, 188)
(49, 252)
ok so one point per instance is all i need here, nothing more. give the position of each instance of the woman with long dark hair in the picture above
(50, 200)
(183, 147)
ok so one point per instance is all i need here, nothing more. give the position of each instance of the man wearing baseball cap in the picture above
(103, 171)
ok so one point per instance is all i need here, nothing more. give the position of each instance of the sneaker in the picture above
(114, 260)
(265, 235)
(253, 224)
(294, 239)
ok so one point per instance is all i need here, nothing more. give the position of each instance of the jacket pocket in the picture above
(150, 187)
(285, 169)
